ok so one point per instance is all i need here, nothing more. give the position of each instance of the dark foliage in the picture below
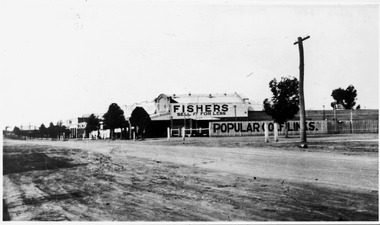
(16, 131)
(347, 98)
(141, 119)
(284, 104)
(114, 118)
(52, 130)
(42, 130)
(93, 123)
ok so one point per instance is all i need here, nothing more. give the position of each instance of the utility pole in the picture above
(302, 98)
(235, 112)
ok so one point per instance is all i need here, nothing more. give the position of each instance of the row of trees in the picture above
(284, 104)
(53, 131)
(114, 118)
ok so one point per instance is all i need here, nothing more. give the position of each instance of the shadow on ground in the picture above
(16, 161)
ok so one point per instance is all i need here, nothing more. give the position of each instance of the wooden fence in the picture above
(359, 126)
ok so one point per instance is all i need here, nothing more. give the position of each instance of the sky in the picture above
(65, 58)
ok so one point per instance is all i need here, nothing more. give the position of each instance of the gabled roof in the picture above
(208, 98)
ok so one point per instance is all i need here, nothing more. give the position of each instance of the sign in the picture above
(249, 128)
(195, 111)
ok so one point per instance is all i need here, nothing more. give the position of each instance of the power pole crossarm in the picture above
(302, 98)
(302, 39)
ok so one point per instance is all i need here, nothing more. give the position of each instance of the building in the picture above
(199, 112)
(76, 126)
(192, 111)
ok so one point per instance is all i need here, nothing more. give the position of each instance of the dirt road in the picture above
(105, 180)
(320, 168)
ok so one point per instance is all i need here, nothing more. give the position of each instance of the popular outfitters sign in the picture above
(194, 111)
(258, 128)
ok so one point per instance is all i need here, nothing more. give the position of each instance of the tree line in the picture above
(114, 118)
(57, 131)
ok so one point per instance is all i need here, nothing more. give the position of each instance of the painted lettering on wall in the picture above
(258, 127)
(208, 110)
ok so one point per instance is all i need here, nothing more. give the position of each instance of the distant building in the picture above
(77, 127)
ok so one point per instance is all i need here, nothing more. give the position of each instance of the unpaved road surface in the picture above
(157, 181)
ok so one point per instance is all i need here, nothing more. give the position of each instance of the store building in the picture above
(192, 111)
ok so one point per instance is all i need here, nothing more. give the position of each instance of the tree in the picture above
(67, 132)
(16, 131)
(60, 129)
(114, 118)
(93, 123)
(52, 131)
(141, 119)
(42, 130)
(284, 103)
(347, 98)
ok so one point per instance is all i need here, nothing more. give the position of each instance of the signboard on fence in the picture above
(249, 128)
(204, 110)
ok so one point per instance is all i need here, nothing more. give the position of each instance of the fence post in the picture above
(183, 133)
(275, 130)
(130, 130)
(351, 125)
(266, 132)
(168, 130)
(335, 120)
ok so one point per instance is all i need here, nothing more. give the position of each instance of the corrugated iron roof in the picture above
(208, 98)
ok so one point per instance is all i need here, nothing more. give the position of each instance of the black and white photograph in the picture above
(188, 111)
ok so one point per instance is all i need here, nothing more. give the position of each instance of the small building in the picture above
(77, 125)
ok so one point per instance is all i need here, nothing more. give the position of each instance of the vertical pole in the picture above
(266, 132)
(301, 92)
(191, 126)
(302, 99)
(351, 124)
(184, 119)
(275, 129)
(168, 130)
(335, 119)
(130, 129)
(183, 133)
(235, 112)
(324, 115)
(286, 127)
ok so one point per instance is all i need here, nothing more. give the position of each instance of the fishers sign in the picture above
(246, 128)
(194, 111)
